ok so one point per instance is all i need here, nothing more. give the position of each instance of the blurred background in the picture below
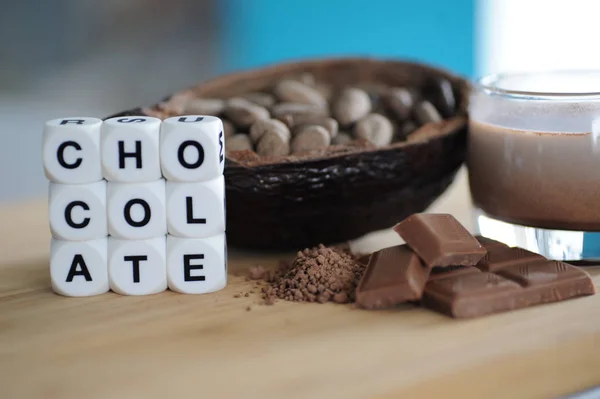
(63, 58)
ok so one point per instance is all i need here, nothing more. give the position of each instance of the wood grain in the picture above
(172, 345)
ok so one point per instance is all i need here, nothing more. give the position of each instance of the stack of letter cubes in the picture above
(136, 205)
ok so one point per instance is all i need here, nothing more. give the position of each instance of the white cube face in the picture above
(130, 149)
(196, 265)
(79, 268)
(77, 212)
(192, 148)
(71, 150)
(137, 211)
(137, 267)
(196, 210)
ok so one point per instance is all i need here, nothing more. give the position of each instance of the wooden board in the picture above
(172, 345)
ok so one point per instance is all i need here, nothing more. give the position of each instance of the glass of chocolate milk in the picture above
(534, 161)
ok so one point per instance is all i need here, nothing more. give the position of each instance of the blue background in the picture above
(259, 32)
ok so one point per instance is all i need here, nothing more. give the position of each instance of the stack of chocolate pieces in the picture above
(448, 270)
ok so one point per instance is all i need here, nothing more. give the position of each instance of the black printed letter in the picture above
(132, 120)
(185, 119)
(73, 121)
(189, 210)
(187, 268)
(60, 154)
(221, 147)
(127, 212)
(135, 262)
(137, 154)
(78, 260)
(69, 219)
(180, 154)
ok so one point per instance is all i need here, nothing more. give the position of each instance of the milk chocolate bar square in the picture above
(498, 258)
(438, 273)
(550, 281)
(490, 244)
(514, 287)
(394, 275)
(471, 295)
(440, 240)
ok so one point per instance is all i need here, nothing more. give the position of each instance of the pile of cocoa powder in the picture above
(320, 274)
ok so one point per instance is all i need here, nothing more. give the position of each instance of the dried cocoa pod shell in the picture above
(295, 201)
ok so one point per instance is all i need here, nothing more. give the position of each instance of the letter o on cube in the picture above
(192, 148)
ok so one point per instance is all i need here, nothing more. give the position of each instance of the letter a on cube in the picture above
(79, 268)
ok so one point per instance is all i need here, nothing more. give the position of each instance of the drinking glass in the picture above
(534, 161)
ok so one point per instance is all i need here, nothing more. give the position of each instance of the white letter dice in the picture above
(77, 212)
(137, 211)
(137, 267)
(117, 223)
(71, 150)
(79, 268)
(196, 210)
(130, 150)
(192, 148)
(196, 265)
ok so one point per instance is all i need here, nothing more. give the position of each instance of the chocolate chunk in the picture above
(500, 257)
(560, 279)
(440, 240)
(471, 295)
(438, 273)
(515, 287)
(488, 243)
(394, 275)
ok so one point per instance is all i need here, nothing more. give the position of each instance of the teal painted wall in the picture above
(259, 32)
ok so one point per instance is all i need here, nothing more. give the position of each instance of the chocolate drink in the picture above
(537, 179)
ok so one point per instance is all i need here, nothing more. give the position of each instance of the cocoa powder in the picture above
(320, 274)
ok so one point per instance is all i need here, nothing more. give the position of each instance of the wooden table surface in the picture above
(210, 346)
